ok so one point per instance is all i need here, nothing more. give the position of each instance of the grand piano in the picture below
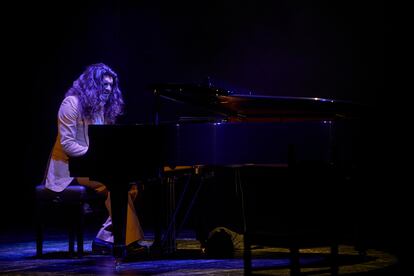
(239, 131)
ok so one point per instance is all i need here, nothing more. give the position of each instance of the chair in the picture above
(69, 203)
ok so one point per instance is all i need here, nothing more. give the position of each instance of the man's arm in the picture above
(67, 125)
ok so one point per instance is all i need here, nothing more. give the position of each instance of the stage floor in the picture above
(18, 248)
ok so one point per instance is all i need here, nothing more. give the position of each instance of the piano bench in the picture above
(68, 206)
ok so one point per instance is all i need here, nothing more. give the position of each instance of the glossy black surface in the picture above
(227, 103)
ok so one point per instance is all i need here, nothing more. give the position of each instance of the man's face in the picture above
(108, 83)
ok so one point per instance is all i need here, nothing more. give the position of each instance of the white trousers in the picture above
(133, 228)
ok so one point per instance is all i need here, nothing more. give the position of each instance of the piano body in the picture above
(246, 131)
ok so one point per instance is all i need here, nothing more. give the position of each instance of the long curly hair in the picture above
(87, 89)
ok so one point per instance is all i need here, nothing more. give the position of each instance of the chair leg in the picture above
(79, 230)
(71, 229)
(71, 241)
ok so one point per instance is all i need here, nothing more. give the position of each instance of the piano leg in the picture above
(247, 256)
(165, 222)
(157, 201)
(169, 239)
(119, 203)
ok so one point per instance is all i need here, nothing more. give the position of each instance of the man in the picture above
(94, 98)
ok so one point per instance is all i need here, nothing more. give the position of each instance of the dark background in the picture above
(282, 48)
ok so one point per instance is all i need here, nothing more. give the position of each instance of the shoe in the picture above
(101, 247)
(136, 250)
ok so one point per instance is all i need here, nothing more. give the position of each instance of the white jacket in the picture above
(72, 140)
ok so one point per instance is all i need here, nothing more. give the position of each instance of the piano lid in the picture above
(240, 107)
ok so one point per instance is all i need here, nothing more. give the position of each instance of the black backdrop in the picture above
(286, 48)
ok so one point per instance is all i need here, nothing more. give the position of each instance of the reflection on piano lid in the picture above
(237, 107)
